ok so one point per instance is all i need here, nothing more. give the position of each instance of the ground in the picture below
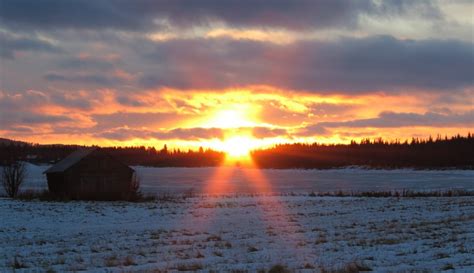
(239, 234)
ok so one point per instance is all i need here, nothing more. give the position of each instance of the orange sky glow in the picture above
(234, 121)
(206, 78)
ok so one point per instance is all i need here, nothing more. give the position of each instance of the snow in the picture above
(247, 220)
(179, 180)
(239, 232)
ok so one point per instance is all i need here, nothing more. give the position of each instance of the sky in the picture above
(241, 74)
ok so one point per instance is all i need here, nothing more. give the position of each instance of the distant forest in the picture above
(140, 155)
(439, 153)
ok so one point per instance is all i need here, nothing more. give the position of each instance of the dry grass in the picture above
(17, 263)
(395, 193)
(353, 267)
(189, 267)
(128, 261)
(278, 268)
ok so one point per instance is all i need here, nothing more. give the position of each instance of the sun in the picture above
(238, 146)
(232, 117)
(237, 121)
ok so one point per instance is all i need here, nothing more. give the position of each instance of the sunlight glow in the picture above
(239, 146)
(273, 36)
(236, 112)
(238, 120)
(232, 117)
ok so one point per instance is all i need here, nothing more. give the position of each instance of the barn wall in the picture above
(97, 176)
(56, 183)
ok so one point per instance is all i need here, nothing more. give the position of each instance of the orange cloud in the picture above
(260, 115)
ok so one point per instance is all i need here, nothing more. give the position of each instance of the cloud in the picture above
(25, 100)
(329, 109)
(396, 120)
(345, 65)
(313, 130)
(35, 118)
(85, 78)
(187, 134)
(391, 119)
(125, 133)
(129, 101)
(75, 101)
(76, 14)
(266, 132)
(9, 44)
(32, 108)
(87, 62)
(18, 119)
(21, 129)
(143, 15)
(90, 69)
(173, 62)
(190, 133)
(136, 120)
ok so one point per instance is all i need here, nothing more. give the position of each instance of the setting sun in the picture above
(238, 146)
(233, 116)
(238, 140)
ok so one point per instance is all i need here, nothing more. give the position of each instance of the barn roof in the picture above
(70, 160)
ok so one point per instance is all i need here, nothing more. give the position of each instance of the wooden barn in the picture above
(91, 173)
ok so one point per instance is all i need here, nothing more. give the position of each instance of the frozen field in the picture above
(246, 220)
(245, 233)
(241, 180)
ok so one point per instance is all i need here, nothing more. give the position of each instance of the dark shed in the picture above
(90, 173)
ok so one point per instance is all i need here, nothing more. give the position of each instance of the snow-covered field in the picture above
(245, 233)
(242, 180)
(245, 220)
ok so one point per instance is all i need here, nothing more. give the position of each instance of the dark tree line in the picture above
(13, 151)
(149, 156)
(455, 152)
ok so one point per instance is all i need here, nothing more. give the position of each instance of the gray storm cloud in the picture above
(142, 15)
(347, 64)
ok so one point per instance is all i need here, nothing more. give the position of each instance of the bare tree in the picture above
(12, 177)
